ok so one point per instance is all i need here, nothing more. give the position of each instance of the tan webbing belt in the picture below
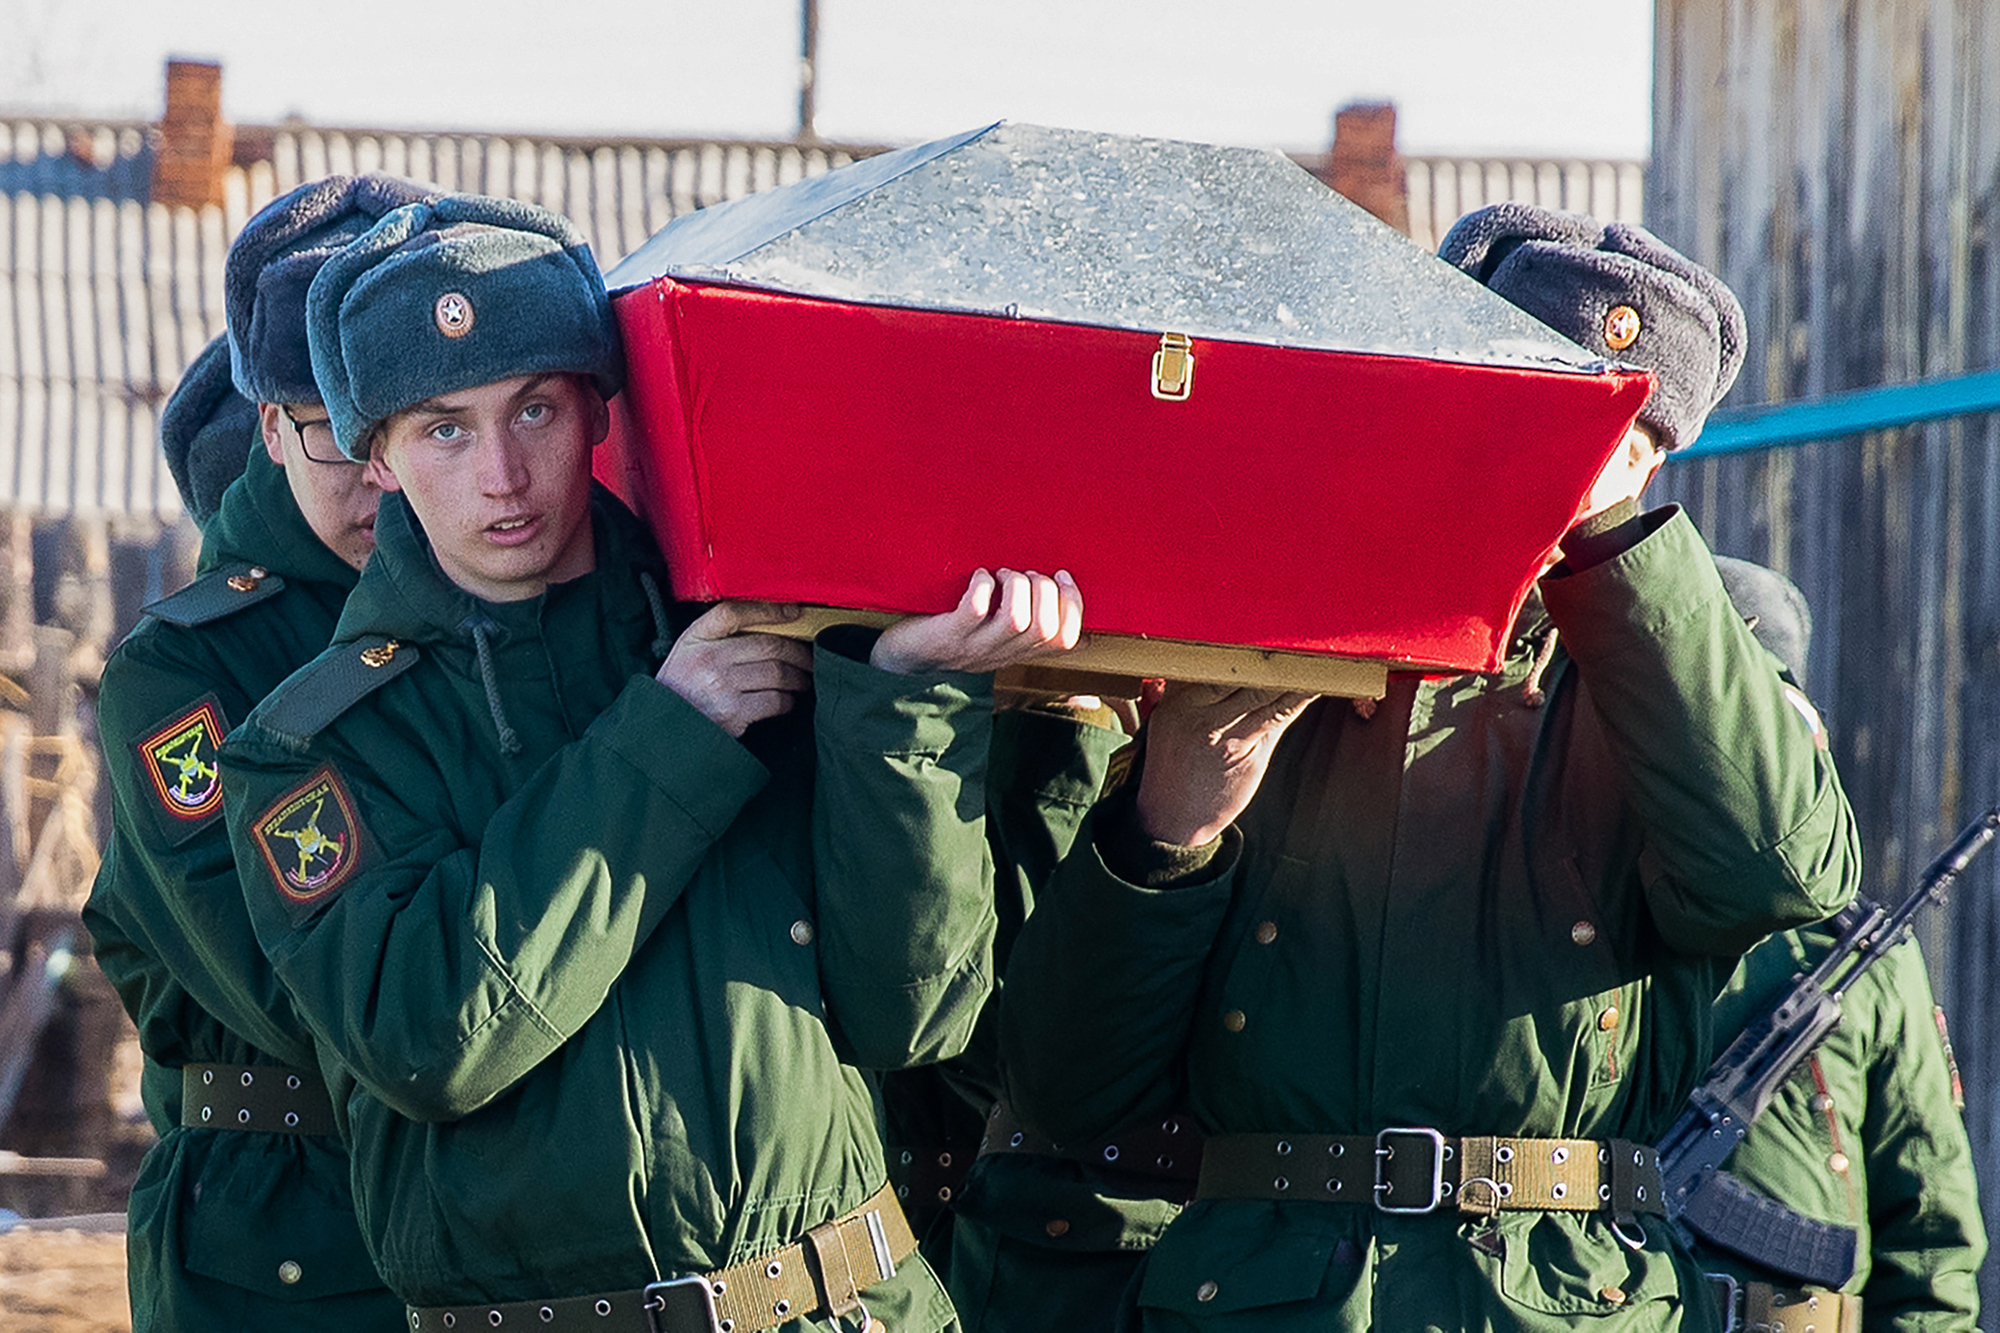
(820, 1276)
(261, 1099)
(1761, 1307)
(1418, 1170)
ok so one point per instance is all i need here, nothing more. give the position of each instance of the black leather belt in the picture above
(1167, 1149)
(1419, 1170)
(1760, 1307)
(262, 1099)
(821, 1276)
(927, 1177)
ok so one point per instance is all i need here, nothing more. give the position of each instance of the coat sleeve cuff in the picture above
(1135, 857)
(899, 712)
(691, 761)
(1631, 598)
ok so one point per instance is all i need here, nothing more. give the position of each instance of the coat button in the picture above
(1267, 931)
(1583, 932)
(1205, 1292)
(1838, 1161)
(1822, 1102)
(1057, 1227)
(802, 932)
(1611, 1295)
(1234, 1020)
(289, 1272)
(1608, 1020)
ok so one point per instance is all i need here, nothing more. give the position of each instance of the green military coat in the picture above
(217, 1216)
(593, 1002)
(1867, 1134)
(1467, 912)
(1047, 767)
(1039, 1242)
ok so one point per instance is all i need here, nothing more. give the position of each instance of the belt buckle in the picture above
(682, 1305)
(1385, 1150)
(1728, 1299)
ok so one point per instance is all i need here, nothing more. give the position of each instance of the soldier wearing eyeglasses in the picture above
(242, 1216)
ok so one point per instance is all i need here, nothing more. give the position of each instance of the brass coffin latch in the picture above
(1173, 367)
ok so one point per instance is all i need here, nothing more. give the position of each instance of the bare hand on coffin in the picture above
(1003, 619)
(1207, 747)
(734, 678)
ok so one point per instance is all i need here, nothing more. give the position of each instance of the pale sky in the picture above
(1472, 76)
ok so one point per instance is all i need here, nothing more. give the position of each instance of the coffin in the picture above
(1241, 411)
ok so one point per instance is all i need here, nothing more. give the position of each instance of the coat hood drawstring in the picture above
(482, 631)
(1532, 694)
(482, 643)
(663, 632)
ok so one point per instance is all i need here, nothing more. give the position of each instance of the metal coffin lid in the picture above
(854, 390)
(1109, 230)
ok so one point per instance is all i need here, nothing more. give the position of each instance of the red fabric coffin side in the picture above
(810, 450)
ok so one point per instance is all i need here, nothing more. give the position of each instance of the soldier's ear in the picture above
(270, 423)
(379, 473)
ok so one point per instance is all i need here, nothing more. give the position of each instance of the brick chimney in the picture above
(1365, 166)
(195, 143)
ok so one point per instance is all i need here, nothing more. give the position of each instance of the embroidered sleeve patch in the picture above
(311, 838)
(1796, 697)
(178, 758)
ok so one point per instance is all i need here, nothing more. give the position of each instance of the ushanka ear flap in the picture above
(207, 431)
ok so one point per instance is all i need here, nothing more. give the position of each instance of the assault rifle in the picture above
(1703, 1198)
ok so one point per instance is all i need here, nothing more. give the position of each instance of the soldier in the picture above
(242, 1216)
(1431, 974)
(593, 942)
(1868, 1133)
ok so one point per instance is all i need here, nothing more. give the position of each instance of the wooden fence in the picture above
(1839, 166)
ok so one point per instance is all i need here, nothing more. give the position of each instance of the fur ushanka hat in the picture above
(1619, 291)
(271, 264)
(446, 295)
(207, 431)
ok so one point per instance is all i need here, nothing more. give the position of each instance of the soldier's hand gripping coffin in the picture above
(1239, 409)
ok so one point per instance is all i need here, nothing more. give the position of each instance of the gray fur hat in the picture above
(455, 292)
(1775, 608)
(207, 431)
(271, 265)
(1619, 291)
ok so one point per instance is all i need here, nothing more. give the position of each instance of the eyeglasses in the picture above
(316, 439)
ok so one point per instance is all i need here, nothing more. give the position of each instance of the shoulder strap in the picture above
(330, 684)
(221, 592)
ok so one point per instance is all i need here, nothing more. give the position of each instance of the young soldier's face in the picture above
(336, 496)
(499, 475)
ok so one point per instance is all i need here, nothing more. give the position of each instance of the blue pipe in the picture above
(1780, 425)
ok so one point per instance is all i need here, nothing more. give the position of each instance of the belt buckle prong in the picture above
(1385, 1150)
(682, 1305)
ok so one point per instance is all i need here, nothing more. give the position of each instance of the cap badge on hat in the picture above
(1621, 327)
(453, 314)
